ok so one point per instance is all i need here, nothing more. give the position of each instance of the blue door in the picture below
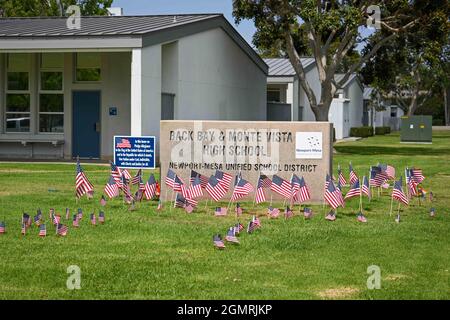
(86, 124)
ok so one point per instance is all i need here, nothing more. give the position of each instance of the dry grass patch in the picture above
(339, 293)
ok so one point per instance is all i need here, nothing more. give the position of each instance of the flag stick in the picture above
(398, 210)
(256, 188)
(174, 198)
(271, 197)
(206, 206)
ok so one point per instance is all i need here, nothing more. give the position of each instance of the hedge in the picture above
(382, 130)
(362, 132)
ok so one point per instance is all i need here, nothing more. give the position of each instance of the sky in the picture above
(143, 7)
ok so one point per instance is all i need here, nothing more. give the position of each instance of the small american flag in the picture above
(103, 201)
(260, 196)
(256, 221)
(251, 227)
(353, 175)
(80, 214)
(224, 179)
(75, 221)
(331, 216)
(281, 186)
(203, 179)
(288, 213)
(295, 186)
(2, 227)
(135, 180)
(67, 213)
(61, 230)
(150, 187)
(303, 194)
(220, 212)
(241, 189)
(361, 217)
(273, 212)
(432, 212)
(377, 178)
(56, 219)
(266, 182)
(42, 230)
(333, 196)
(26, 219)
(195, 189)
(178, 184)
(101, 217)
(180, 201)
(397, 218)
(417, 175)
(388, 170)
(93, 219)
(365, 188)
(82, 184)
(238, 209)
(123, 144)
(307, 212)
(341, 177)
(116, 173)
(398, 194)
(231, 236)
(215, 189)
(237, 178)
(431, 196)
(160, 205)
(37, 220)
(355, 190)
(170, 178)
(218, 242)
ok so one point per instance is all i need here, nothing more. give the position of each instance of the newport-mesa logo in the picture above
(308, 145)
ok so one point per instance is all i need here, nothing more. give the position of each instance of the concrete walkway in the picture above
(441, 128)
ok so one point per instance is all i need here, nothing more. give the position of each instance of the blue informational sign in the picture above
(134, 152)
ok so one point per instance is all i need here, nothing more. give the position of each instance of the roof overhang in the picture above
(280, 80)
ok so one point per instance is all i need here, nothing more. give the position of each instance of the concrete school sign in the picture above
(253, 147)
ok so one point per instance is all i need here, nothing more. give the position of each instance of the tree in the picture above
(412, 67)
(35, 8)
(330, 30)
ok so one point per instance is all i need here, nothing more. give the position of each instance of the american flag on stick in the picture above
(333, 196)
(82, 184)
(215, 189)
(203, 178)
(195, 188)
(42, 230)
(150, 187)
(111, 188)
(116, 173)
(220, 212)
(101, 217)
(341, 177)
(260, 196)
(303, 194)
(135, 180)
(75, 220)
(398, 194)
(281, 186)
(353, 175)
(241, 189)
(224, 179)
(355, 191)
(377, 177)
(61, 230)
(93, 219)
(2, 227)
(365, 188)
(411, 182)
(388, 170)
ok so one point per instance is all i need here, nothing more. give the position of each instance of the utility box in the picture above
(416, 129)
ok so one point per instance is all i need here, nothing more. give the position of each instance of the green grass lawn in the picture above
(146, 254)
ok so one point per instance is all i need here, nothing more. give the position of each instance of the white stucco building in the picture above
(389, 117)
(287, 100)
(66, 92)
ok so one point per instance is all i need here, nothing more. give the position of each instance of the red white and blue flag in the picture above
(203, 179)
(241, 189)
(333, 196)
(281, 186)
(365, 188)
(398, 194)
(341, 177)
(224, 179)
(42, 230)
(355, 190)
(123, 144)
(215, 189)
(353, 175)
(150, 187)
(82, 184)
(111, 188)
(260, 196)
(138, 177)
(195, 189)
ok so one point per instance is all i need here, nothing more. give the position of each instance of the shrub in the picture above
(362, 132)
(382, 130)
(438, 122)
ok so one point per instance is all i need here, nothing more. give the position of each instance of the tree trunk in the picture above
(413, 105)
(321, 111)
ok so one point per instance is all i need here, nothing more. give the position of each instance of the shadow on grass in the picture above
(401, 150)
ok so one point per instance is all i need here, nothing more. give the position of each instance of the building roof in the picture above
(95, 25)
(282, 67)
(367, 93)
(113, 32)
(339, 76)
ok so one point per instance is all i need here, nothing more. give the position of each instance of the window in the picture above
(88, 67)
(51, 94)
(393, 112)
(273, 95)
(17, 93)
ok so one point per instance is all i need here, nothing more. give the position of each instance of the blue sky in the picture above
(140, 7)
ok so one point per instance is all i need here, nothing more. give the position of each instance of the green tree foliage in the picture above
(34, 8)
(330, 31)
(413, 66)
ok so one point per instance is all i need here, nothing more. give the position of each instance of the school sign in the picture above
(252, 148)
